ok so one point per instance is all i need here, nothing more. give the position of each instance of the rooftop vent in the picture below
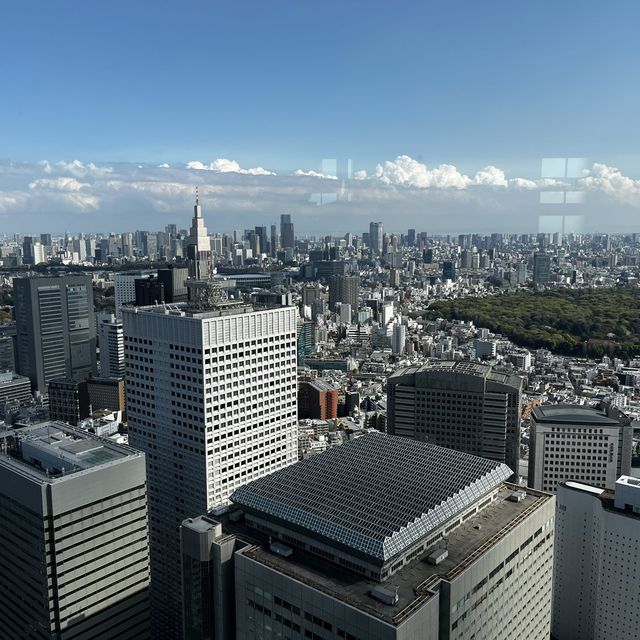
(517, 496)
(280, 549)
(437, 556)
(387, 594)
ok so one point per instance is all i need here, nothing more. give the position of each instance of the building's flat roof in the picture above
(465, 544)
(50, 450)
(571, 414)
(376, 495)
(230, 308)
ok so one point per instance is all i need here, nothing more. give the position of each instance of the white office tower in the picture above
(596, 586)
(575, 442)
(212, 400)
(124, 288)
(74, 561)
(111, 343)
(381, 538)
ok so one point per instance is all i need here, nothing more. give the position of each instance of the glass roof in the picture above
(377, 494)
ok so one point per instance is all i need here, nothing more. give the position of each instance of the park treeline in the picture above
(577, 322)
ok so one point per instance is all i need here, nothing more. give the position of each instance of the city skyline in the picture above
(402, 193)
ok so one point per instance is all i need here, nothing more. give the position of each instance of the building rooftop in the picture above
(460, 369)
(183, 309)
(572, 414)
(417, 581)
(376, 495)
(50, 450)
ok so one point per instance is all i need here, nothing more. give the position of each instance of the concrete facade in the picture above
(211, 399)
(596, 591)
(74, 556)
(585, 444)
(459, 405)
(56, 330)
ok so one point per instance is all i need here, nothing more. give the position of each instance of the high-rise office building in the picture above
(273, 243)
(106, 393)
(149, 291)
(541, 268)
(199, 257)
(287, 235)
(68, 400)
(596, 577)
(460, 405)
(411, 237)
(449, 270)
(575, 442)
(211, 398)
(376, 235)
(56, 329)
(398, 339)
(344, 289)
(124, 288)
(382, 537)
(173, 278)
(74, 556)
(111, 343)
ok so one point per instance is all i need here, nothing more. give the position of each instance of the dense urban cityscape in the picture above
(326, 455)
(319, 320)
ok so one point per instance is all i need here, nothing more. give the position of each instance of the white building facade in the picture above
(596, 585)
(212, 399)
(111, 343)
(585, 444)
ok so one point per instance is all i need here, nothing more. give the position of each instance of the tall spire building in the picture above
(199, 247)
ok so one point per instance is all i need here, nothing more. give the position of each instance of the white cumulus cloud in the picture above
(314, 174)
(63, 183)
(611, 181)
(75, 168)
(406, 171)
(224, 165)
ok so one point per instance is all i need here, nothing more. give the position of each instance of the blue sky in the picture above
(288, 83)
(284, 84)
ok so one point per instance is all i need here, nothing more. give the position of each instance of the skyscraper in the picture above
(460, 405)
(574, 442)
(74, 556)
(344, 289)
(199, 258)
(376, 234)
(541, 268)
(449, 270)
(211, 398)
(382, 537)
(111, 343)
(287, 236)
(56, 330)
(596, 578)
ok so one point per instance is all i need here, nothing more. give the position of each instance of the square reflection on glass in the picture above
(553, 167)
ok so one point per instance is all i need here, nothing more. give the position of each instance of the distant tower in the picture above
(198, 246)
(287, 234)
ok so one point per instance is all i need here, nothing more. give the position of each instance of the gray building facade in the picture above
(460, 405)
(56, 328)
(74, 553)
(427, 544)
